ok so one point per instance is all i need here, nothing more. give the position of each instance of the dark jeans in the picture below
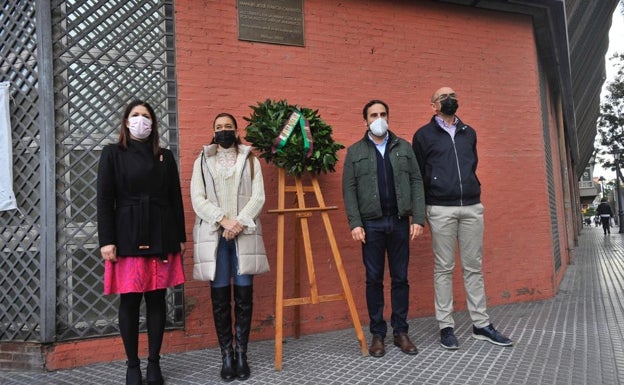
(388, 234)
(606, 224)
(227, 263)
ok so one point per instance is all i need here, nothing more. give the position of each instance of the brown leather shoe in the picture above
(402, 341)
(377, 348)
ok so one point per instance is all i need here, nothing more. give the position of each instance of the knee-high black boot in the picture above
(129, 307)
(222, 314)
(156, 309)
(243, 306)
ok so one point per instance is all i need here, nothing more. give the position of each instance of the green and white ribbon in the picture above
(295, 119)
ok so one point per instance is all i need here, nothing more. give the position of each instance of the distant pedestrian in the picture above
(605, 212)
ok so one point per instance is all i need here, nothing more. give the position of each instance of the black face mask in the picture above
(225, 138)
(449, 106)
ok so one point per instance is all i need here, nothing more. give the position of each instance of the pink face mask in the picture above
(140, 127)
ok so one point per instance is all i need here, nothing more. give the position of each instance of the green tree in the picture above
(611, 119)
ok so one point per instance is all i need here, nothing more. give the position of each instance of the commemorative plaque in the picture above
(271, 21)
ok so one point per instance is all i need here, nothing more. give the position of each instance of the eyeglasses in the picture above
(442, 97)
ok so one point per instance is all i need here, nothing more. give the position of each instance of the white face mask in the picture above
(379, 127)
(140, 127)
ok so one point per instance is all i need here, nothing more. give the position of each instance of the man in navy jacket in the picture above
(446, 150)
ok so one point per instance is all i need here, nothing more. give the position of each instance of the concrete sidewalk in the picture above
(575, 338)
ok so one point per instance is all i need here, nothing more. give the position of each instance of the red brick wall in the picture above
(354, 51)
(20, 356)
(401, 53)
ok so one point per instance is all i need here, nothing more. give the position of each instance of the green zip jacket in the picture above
(359, 181)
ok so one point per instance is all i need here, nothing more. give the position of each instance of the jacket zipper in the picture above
(461, 189)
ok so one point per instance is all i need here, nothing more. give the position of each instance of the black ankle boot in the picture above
(243, 307)
(222, 314)
(133, 374)
(154, 375)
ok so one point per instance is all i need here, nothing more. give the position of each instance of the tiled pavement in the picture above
(574, 338)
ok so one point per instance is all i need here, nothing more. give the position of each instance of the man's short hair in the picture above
(369, 104)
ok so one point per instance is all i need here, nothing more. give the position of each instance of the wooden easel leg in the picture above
(297, 273)
(279, 285)
(307, 244)
(341, 271)
(348, 295)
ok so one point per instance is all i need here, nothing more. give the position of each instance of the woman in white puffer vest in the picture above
(227, 193)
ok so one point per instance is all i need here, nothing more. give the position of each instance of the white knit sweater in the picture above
(225, 167)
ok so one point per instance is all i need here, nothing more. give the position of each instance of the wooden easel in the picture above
(302, 230)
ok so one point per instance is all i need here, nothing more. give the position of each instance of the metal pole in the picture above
(47, 252)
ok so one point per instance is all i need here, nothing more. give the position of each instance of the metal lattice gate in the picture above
(99, 55)
(20, 231)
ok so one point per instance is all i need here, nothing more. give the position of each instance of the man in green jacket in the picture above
(382, 188)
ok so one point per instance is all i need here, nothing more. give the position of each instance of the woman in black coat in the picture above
(141, 232)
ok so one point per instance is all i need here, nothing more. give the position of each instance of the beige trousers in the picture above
(463, 225)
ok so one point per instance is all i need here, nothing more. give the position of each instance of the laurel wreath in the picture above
(267, 121)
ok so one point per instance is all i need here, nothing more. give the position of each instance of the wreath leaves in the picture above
(266, 122)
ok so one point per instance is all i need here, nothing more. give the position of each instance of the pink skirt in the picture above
(141, 274)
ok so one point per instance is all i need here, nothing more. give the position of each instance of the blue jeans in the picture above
(227, 263)
(389, 234)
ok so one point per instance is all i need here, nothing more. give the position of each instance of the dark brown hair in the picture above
(231, 117)
(371, 103)
(124, 133)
